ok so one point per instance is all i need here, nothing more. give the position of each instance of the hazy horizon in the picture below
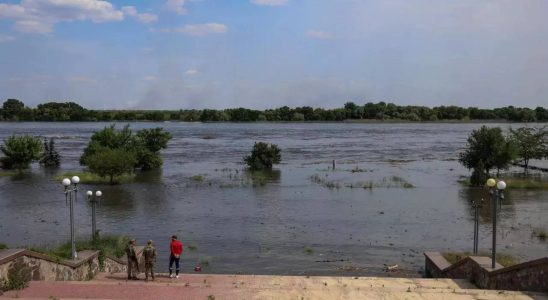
(260, 54)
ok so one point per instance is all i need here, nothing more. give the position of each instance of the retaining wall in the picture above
(527, 276)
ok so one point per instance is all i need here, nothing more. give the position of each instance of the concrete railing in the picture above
(527, 276)
(32, 265)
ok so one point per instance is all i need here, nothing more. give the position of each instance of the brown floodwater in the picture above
(302, 218)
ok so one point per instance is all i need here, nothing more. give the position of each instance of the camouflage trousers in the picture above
(149, 269)
(132, 269)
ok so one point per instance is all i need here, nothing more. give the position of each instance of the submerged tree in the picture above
(143, 148)
(263, 156)
(487, 149)
(20, 151)
(150, 142)
(50, 157)
(111, 163)
(530, 143)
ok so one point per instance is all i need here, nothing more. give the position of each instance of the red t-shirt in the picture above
(176, 247)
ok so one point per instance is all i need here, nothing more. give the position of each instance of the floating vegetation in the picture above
(309, 250)
(349, 268)
(205, 261)
(540, 233)
(198, 178)
(358, 170)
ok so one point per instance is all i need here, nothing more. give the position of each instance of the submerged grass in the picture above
(316, 178)
(503, 259)
(90, 178)
(4, 173)
(198, 178)
(390, 182)
(515, 183)
(540, 233)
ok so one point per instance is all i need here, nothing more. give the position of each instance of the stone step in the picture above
(266, 281)
(202, 286)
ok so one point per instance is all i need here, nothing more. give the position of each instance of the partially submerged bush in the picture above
(263, 156)
(20, 151)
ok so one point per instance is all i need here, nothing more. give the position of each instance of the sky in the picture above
(184, 54)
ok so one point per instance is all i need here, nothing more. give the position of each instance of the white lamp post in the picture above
(496, 196)
(93, 201)
(69, 191)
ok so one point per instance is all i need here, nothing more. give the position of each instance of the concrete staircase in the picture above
(204, 286)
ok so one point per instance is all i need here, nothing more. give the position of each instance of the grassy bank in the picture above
(90, 178)
(515, 183)
(107, 245)
(4, 173)
(501, 258)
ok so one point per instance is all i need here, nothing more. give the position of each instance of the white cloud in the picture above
(196, 29)
(147, 18)
(129, 10)
(149, 78)
(270, 2)
(81, 79)
(40, 16)
(191, 72)
(143, 18)
(322, 35)
(6, 38)
(177, 6)
(203, 29)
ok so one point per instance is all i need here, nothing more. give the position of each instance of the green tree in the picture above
(149, 142)
(263, 156)
(12, 109)
(145, 145)
(530, 143)
(111, 162)
(108, 137)
(487, 149)
(20, 151)
(50, 157)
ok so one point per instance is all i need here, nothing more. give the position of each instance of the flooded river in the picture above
(302, 218)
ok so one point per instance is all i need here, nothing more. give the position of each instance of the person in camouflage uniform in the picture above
(150, 258)
(132, 263)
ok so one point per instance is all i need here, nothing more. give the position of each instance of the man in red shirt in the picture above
(176, 248)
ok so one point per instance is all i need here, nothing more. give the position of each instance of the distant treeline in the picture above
(15, 110)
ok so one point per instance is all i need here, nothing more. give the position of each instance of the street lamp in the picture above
(93, 201)
(495, 189)
(477, 206)
(69, 192)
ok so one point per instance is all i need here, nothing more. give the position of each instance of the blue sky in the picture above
(267, 53)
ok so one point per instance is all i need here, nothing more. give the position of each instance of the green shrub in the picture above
(50, 157)
(20, 151)
(17, 280)
(263, 156)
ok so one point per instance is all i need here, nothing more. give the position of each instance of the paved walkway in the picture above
(209, 287)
